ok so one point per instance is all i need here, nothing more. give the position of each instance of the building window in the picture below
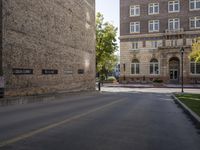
(195, 23)
(135, 10)
(173, 6)
(194, 67)
(153, 8)
(194, 4)
(135, 67)
(154, 26)
(154, 67)
(135, 27)
(174, 24)
(154, 44)
(135, 46)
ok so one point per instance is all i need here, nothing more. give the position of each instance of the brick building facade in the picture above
(152, 32)
(47, 46)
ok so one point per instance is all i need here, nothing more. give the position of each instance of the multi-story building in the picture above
(47, 46)
(152, 33)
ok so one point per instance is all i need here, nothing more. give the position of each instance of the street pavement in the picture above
(115, 119)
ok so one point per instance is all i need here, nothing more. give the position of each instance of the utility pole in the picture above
(182, 52)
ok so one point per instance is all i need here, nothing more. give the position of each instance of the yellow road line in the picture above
(35, 132)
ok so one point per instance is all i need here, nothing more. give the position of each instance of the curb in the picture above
(130, 86)
(41, 98)
(195, 118)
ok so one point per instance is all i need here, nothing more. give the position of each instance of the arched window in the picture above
(154, 66)
(135, 67)
(194, 67)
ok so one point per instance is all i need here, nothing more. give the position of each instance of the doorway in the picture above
(173, 74)
(174, 70)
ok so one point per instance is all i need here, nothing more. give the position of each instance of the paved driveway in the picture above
(120, 120)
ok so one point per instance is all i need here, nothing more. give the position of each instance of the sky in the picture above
(110, 11)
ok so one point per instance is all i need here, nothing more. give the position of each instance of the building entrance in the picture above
(173, 74)
(174, 70)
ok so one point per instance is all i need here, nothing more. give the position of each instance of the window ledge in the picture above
(195, 9)
(134, 16)
(171, 12)
(150, 14)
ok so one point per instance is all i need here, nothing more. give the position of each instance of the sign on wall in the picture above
(18, 71)
(49, 71)
(80, 71)
(68, 72)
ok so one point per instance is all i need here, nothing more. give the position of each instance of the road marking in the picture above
(37, 131)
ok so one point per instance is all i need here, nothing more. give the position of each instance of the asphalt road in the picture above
(108, 121)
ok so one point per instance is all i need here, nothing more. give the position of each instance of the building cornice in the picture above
(135, 36)
(140, 36)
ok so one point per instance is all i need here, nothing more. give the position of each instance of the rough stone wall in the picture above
(53, 35)
(1, 36)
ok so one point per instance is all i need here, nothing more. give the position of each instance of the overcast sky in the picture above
(110, 11)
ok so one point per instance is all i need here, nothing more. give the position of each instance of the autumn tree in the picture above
(106, 46)
(196, 50)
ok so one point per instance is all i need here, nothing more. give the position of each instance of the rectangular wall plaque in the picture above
(80, 71)
(18, 71)
(49, 71)
(68, 72)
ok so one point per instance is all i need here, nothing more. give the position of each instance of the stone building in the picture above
(47, 46)
(152, 33)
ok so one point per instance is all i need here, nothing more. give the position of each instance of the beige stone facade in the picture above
(48, 46)
(150, 55)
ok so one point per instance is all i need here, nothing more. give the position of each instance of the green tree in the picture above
(196, 50)
(106, 46)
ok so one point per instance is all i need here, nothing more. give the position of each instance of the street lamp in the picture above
(182, 51)
(124, 66)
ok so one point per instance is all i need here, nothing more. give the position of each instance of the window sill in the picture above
(194, 74)
(154, 74)
(134, 32)
(153, 14)
(154, 31)
(195, 9)
(195, 28)
(134, 16)
(171, 12)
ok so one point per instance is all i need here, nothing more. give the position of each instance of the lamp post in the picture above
(124, 66)
(182, 51)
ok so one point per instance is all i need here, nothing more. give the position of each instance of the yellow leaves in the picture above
(195, 54)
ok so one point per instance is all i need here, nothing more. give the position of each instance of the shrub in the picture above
(158, 81)
(111, 79)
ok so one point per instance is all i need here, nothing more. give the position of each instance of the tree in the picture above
(196, 50)
(106, 46)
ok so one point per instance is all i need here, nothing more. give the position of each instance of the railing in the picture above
(174, 30)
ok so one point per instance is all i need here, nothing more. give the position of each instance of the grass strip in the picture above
(191, 100)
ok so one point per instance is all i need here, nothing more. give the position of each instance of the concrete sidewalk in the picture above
(195, 86)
